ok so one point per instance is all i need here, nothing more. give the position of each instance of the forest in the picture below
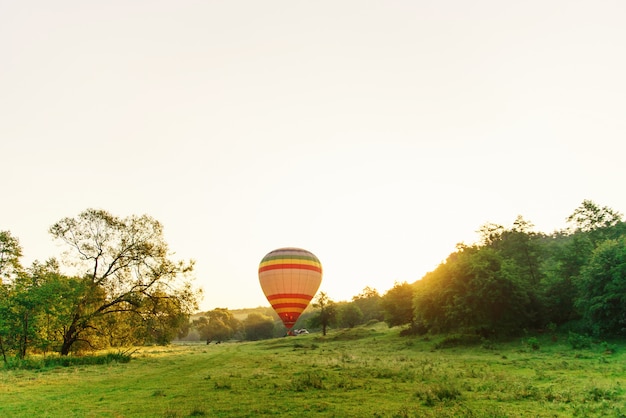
(512, 281)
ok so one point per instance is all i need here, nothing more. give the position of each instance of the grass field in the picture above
(364, 372)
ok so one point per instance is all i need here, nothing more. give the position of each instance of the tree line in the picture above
(516, 279)
(129, 291)
(513, 280)
(220, 324)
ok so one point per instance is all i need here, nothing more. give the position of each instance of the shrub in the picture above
(533, 343)
(608, 348)
(438, 393)
(68, 361)
(308, 380)
(579, 342)
(459, 340)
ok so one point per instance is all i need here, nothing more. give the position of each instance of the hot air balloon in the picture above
(290, 278)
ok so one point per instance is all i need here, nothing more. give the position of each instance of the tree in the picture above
(349, 315)
(565, 256)
(603, 289)
(369, 302)
(10, 254)
(258, 327)
(397, 303)
(476, 289)
(10, 270)
(490, 233)
(591, 217)
(326, 314)
(218, 325)
(124, 267)
(569, 252)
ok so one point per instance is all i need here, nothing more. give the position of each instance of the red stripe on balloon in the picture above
(288, 296)
(290, 266)
(289, 305)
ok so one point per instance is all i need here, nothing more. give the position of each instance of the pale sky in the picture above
(376, 134)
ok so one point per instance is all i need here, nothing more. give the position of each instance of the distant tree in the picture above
(369, 302)
(603, 289)
(164, 319)
(126, 269)
(397, 303)
(326, 314)
(519, 244)
(564, 257)
(490, 233)
(591, 217)
(349, 315)
(10, 254)
(523, 247)
(217, 325)
(10, 268)
(258, 327)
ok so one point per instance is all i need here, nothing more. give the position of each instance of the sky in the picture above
(376, 134)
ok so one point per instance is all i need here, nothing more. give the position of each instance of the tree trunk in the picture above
(24, 342)
(4, 354)
(69, 338)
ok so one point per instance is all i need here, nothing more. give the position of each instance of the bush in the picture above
(608, 348)
(462, 340)
(67, 361)
(307, 380)
(532, 343)
(418, 328)
(579, 342)
(438, 393)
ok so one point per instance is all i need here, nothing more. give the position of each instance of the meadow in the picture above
(368, 371)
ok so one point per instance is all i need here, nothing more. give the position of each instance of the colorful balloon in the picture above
(290, 278)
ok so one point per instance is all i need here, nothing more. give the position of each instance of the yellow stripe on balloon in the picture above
(289, 261)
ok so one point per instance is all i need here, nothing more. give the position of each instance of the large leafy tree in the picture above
(349, 314)
(217, 325)
(397, 304)
(603, 289)
(125, 269)
(565, 256)
(569, 252)
(475, 289)
(258, 326)
(369, 302)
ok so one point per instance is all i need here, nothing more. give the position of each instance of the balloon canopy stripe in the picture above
(290, 266)
(291, 252)
(272, 298)
(277, 255)
(283, 260)
(289, 307)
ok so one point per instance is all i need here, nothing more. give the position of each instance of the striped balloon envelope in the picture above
(290, 278)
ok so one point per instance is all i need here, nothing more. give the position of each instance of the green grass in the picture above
(365, 372)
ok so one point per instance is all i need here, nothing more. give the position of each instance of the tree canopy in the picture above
(515, 279)
(125, 289)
